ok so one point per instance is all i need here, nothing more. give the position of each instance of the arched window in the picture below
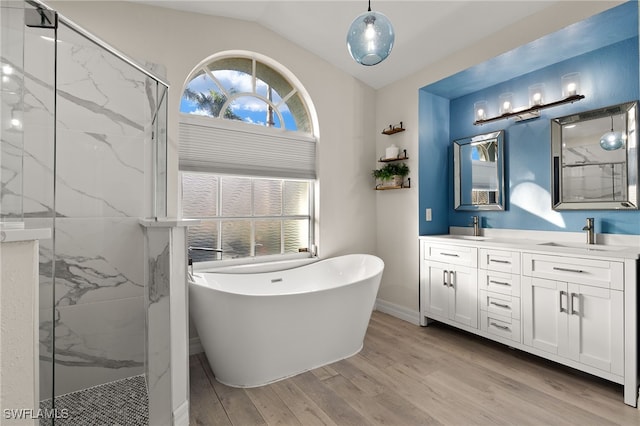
(245, 89)
(247, 160)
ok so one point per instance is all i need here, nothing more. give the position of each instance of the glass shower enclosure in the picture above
(83, 152)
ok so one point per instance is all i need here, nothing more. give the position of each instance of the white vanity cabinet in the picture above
(448, 280)
(570, 303)
(499, 293)
(573, 308)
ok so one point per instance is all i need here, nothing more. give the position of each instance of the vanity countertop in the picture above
(568, 246)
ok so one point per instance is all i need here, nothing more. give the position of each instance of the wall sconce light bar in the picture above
(529, 113)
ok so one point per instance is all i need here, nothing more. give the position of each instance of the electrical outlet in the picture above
(427, 215)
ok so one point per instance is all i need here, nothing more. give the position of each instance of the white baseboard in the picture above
(181, 415)
(398, 311)
(195, 347)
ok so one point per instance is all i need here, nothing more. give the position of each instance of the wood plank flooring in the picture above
(410, 375)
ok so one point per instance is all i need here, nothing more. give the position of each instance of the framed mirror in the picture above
(594, 159)
(478, 172)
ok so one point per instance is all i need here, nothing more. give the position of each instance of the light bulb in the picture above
(506, 106)
(370, 32)
(7, 70)
(570, 84)
(537, 97)
(480, 113)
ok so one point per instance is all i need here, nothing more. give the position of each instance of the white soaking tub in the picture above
(258, 328)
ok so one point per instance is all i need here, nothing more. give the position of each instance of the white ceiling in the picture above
(426, 30)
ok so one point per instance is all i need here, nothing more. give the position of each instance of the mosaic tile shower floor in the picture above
(120, 403)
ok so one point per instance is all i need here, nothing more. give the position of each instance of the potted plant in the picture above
(394, 172)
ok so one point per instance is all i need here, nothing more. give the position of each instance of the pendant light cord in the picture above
(369, 6)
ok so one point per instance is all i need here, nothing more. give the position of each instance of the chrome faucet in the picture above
(476, 225)
(190, 260)
(590, 231)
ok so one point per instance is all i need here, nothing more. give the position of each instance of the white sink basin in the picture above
(588, 247)
(467, 237)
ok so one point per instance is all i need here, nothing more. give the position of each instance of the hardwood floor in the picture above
(410, 375)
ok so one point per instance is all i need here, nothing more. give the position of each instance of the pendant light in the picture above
(611, 141)
(370, 38)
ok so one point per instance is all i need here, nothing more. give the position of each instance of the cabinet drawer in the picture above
(500, 304)
(500, 260)
(499, 282)
(453, 254)
(498, 325)
(600, 273)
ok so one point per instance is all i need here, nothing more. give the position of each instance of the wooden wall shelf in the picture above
(382, 187)
(389, 160)
(393, 129)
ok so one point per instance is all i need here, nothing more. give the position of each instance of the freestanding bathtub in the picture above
(258, 328)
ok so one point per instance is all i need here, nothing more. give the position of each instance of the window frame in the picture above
(307, 131)
(252, 219)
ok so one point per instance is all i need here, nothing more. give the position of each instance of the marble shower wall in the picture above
(103, 185)
(11, 109)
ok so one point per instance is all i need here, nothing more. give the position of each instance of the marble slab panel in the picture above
(95, 343)
(96, 260)
(97, 91)
(158, 275)
(101, 175)
(11, 176)
(38, 164)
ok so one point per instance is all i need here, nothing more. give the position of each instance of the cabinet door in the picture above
(437, 290)
(544, 315)
(463, 301)
(596, 327)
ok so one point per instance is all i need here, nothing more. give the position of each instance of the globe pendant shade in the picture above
(370, 38)
(611, 141)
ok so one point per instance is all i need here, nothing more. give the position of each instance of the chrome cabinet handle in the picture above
(452, 278)
(573, 304)
(500, 305)
(500, 261)
(557, 268)
(561, 308)
(444, 278)
(499, 282)
(501, 327)
(450, 254)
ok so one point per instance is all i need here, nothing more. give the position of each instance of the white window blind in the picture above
(224, 146)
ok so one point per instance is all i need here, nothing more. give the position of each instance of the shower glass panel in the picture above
(103, 125)
(83, 152)
(160, 155)
(11, 113)
(27, 106)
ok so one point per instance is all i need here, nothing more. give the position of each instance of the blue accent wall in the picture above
(433, 173)
(608, 75)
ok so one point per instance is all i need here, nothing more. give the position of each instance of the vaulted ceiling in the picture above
(426, 31)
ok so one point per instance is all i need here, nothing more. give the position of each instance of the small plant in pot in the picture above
(392, 174)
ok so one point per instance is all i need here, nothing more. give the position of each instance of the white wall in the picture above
(345, 106)
(397, 211)
(18, 329)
